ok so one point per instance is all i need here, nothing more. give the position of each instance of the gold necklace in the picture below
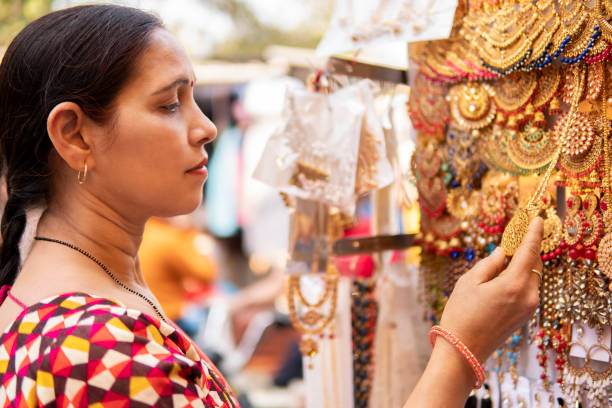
(553, 228)
(571, 88)
(517, 227)
(463, 203)
(471, 106)
(428, 107)
(436, 58)
(500, 48)
(548, 84)
(455, 58)
(595, 80)
(604, 251)
(532, 149)
(577, 139)
(464, 160)
(367, 161)
(572, 15)
(581, 39)
(602, 12)
(499, 37)
(542, 36)
(312, 322)
(494, 147)
(578, 166)
(512, 92)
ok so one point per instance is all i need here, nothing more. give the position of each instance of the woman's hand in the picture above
(489, 302)
(487, 305)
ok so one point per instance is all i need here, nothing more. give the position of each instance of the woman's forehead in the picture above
(163, 61)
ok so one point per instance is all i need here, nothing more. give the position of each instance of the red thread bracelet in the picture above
(462, 348)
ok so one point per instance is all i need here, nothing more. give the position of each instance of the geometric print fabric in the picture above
(77, 350)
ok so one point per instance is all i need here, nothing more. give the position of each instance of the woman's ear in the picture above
(65, 126)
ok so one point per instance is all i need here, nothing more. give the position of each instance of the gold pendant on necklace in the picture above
(515, 232)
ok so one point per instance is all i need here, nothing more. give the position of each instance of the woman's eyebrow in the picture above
(177, 82)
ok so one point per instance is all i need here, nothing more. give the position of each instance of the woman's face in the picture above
(152, 161)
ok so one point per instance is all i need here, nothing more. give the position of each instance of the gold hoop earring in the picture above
(82, 177)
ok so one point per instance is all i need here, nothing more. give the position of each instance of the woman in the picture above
(98, 123)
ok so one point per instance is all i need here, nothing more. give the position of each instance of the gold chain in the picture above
(606, 145)
(295, 318)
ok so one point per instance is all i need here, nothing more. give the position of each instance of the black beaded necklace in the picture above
(108, 272)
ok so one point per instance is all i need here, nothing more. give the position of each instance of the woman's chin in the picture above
(182, 207)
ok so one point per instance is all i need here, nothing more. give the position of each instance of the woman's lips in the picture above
(200, 168)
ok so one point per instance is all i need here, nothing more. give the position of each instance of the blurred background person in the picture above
(178, 263)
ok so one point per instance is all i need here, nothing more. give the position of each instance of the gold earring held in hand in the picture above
(515, 231)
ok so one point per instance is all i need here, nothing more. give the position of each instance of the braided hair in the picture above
(82, 54)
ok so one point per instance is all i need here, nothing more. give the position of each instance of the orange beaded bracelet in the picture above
(463, 349)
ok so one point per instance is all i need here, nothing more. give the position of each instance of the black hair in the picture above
(82, 54)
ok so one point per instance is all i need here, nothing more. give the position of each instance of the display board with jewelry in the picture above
(335, 147)
(528, 136)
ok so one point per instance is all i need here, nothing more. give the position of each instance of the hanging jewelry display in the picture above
(526, 62)
(551, 336)
(582, 42)
(436, 60)
(363, 320)
(512, 354)
(593, 223)
(456, 59)
(431, 184)
(445, 228)
(588, 293)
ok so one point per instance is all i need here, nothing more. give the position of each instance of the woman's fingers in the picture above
(489, 267)
(527, 256)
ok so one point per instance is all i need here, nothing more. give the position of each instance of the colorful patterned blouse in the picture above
(76, 350)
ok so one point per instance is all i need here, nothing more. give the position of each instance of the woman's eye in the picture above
(173, 107)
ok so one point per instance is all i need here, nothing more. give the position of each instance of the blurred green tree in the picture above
(253, 36)
(15, 14)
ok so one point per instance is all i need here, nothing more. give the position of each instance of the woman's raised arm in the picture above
(487, 305)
